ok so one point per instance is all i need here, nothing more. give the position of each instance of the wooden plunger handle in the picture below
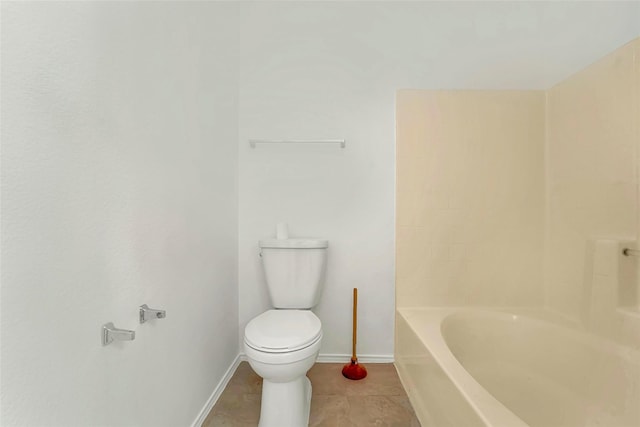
(355, 321)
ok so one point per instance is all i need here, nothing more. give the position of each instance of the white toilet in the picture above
(282, 344)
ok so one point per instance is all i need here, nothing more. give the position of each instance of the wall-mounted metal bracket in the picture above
(110, 333)
(147, 313)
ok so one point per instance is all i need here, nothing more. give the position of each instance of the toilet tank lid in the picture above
(294, 243)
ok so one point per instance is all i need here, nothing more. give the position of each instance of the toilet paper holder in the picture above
(147, 313)
(110, 333)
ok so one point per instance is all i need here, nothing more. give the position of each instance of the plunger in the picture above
(353, 370)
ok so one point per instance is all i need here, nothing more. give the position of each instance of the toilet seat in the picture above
(283, 331)
(282, 358)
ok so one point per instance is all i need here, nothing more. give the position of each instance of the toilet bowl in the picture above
(281, 346)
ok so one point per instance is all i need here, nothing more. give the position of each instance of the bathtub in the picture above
(468, 367)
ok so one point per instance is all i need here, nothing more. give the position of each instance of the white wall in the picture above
(304, 87)
(331, 70)
(119, 168)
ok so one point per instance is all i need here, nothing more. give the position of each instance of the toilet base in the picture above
(286, 404)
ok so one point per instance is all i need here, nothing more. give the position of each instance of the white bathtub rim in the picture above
(573, 330)
(536, 316)
(490, 410)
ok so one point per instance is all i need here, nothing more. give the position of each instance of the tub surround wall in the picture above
(119, 165)
(461, 244)
(592, 170)
(609, 305)
(469, 198)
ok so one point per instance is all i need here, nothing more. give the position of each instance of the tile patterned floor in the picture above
(378, 400)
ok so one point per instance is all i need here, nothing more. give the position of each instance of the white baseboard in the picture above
(217, 392)
(345, 358)
(363, 358)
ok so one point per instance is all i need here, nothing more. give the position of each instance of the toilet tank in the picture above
(294, 270)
